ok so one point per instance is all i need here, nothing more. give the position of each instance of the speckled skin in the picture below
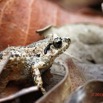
(27, 62)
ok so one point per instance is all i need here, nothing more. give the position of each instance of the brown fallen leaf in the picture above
(20, 19)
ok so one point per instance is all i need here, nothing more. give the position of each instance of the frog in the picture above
(31, 61)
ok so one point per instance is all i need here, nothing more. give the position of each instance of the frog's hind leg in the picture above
(37, 78)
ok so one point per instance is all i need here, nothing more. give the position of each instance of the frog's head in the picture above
(57, 46)
(49, 49)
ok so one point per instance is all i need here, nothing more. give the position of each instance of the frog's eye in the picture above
(57, 42)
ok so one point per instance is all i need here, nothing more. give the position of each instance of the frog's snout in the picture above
(67, 40)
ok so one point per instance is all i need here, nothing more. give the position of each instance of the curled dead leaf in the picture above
(86, 48)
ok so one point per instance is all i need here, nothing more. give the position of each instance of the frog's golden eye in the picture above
(57, 42)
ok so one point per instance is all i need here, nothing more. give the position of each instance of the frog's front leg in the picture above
(37, 78)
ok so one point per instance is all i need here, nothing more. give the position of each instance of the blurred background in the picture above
(80, 3)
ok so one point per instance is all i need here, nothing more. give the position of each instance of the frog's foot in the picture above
(38, 79)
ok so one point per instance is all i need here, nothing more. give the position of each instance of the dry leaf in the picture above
(19, 19)
(86, 48)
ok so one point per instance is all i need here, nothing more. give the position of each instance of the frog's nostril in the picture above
(68, 40)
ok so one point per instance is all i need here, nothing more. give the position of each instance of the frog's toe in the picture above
(43, 90)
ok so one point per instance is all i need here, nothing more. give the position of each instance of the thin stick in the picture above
(21, 92)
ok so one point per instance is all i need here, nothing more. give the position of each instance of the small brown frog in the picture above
(29, 61)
